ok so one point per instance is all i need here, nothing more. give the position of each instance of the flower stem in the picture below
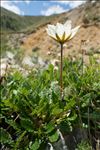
(61, 70)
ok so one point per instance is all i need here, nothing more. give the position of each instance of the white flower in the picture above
(62, 32)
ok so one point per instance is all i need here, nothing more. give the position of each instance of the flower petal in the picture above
(60, 30)
(67, 24)
(53, 27)
(73, 32)
(51, 31)
(67, 28)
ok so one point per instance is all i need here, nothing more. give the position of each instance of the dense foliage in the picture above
(32, 111)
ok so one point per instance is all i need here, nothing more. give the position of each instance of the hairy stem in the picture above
(61, 70)
(89, 125)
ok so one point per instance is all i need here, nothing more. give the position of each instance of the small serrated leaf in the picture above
(27, 124)
(5, 137)
(50, 127)
(54, 137)
(35, 146)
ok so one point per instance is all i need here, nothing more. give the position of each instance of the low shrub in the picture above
(32, 110)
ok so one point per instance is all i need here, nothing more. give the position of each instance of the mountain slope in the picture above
(13, 22)
(87, 15)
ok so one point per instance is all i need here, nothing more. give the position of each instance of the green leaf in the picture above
(86, 99)
(56, 110)
(24, 91)
(10, 104)
(27, 124)
(50, 127)
(12, 123)
(35, 146)
(70, 104)
(19, 140)
(72, 118)
(15, 92)
(5, 137)
(54, 137)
